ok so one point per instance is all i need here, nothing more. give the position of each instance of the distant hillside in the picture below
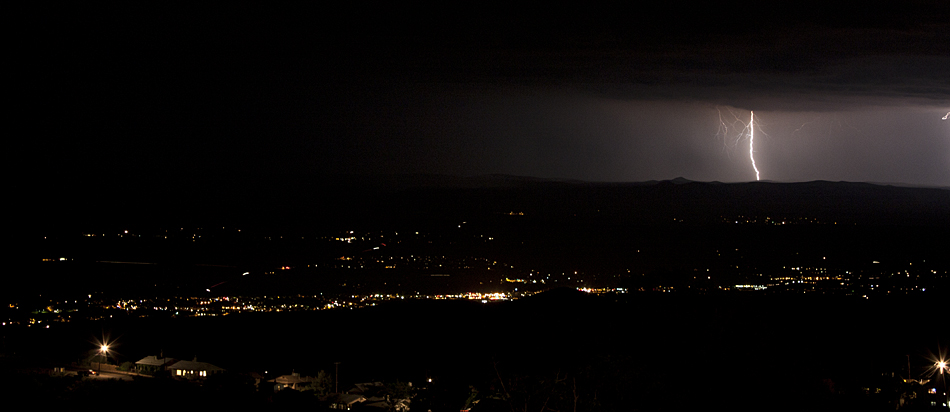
(397, 199)
(680, 199)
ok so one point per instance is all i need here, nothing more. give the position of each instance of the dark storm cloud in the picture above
(790, 66)
(802, 55)
(835, 84)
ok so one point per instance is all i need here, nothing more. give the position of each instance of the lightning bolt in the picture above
(723, 130)
(946, 116)
(804, 124)
(751, 140)
(745, 129)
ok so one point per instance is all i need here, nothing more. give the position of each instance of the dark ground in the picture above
(633, 352)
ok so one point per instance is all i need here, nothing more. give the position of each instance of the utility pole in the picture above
(336, 379)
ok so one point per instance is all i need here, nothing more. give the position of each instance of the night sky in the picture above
(153, 94)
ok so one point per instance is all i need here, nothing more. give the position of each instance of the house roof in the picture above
(292, 379)
(195, 366)
(365, 387)
(350, 398)
(381, 402)
(155, 361)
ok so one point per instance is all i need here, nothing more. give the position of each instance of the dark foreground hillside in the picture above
(625, 352)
